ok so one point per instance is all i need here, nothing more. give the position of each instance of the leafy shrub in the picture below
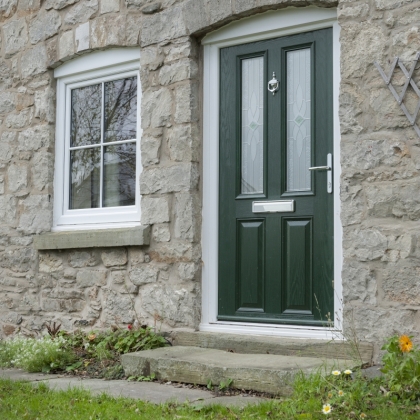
(401, 366)
(35, 355)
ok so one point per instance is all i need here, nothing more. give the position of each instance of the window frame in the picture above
(88, 70)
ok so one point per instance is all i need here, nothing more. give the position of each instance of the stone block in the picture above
(146, 273)
(154, 210)
(82, 36)
(195, 15)
(161, 233)
(119, 309)
(5, 74)
(81, 12)
(156, 108)
(7, 102)
(8, 207)
(152, 57)
(114, 257)
(62, 305)
(42, 171)
(365, 244)
(136, 4)
(178, 71)
(188, 218)
(17, 178)
(107, 30)
(401, 283)
(7, 148)
(152, 8)
(109, 6)
(390, 4)
(186, 102)
(7, 7)
(35, 138)
(44, 26)
(36, 214)
(175, 178)
(79, 259)
(44, 105)
(58, 4)
(175, 251)
(359, 283)
(19, 260)
(150, 149)
(50, 263)
(20, 119)
(89, 278)
(184, 143)
(34, 61)
(66, 46)
(187, 271)
(1, 184)
(219, 10)
(132, 31)
(15, 36)
(163, 26)
(29, 5)
(180, 49)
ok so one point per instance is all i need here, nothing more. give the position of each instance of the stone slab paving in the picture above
(146, 391)
(259, 372)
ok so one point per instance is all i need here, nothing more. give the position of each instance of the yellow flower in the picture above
(340, 393)
(326, 408)
(363, 416)
(348, 372)
(336, 372)
(91, 337)
(330, 395)
(405, 343)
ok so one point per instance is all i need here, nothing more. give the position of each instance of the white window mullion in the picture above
(101, 187)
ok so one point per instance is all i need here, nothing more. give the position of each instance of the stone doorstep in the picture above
(327, 349)
(259, 372)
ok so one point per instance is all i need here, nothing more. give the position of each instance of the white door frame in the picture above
(262, 26)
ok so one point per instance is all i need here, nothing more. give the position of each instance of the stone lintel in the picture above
(97, 238)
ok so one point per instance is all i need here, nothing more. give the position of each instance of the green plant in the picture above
(401, 366)
(210, 385)
(225, 384)
(35, 355)
(142, 378)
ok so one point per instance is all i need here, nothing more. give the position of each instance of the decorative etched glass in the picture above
(252, 159)
(298, 120)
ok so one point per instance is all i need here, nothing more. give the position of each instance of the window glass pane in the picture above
(86, 103)
(121, 109)
(252, 180)
(85, 178)
(298, 120)
(120, 175)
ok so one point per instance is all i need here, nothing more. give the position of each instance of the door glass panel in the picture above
(252, 179)
(298, 120)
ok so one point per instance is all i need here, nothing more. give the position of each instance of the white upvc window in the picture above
(97, 162)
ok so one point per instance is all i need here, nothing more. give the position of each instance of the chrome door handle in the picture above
(320, 168)
(326, 168)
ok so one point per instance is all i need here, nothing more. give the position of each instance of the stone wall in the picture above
(380, 156)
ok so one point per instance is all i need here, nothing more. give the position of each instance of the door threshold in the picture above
(245, 328)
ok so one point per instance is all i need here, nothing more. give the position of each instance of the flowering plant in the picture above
(401, 366)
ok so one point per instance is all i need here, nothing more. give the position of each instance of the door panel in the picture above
(276, 267)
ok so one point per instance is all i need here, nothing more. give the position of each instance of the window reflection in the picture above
(120, 109)
(85, 178)
(120, 175)
(86, 116)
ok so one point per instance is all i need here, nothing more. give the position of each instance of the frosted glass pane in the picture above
(299, 120)
(252, 179)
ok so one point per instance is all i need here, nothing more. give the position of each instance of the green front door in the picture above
(276, 215)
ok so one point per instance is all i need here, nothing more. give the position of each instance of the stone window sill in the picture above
(96, 238)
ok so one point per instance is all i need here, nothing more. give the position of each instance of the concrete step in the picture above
(260, 372)
(327, 349)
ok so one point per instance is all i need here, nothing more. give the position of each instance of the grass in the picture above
(20, 400)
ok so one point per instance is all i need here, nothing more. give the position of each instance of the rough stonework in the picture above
(380, 156)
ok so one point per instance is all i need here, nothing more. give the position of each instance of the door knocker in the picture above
(273, 84)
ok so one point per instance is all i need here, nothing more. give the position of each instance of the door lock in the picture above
(273, 84)
(327, 168)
